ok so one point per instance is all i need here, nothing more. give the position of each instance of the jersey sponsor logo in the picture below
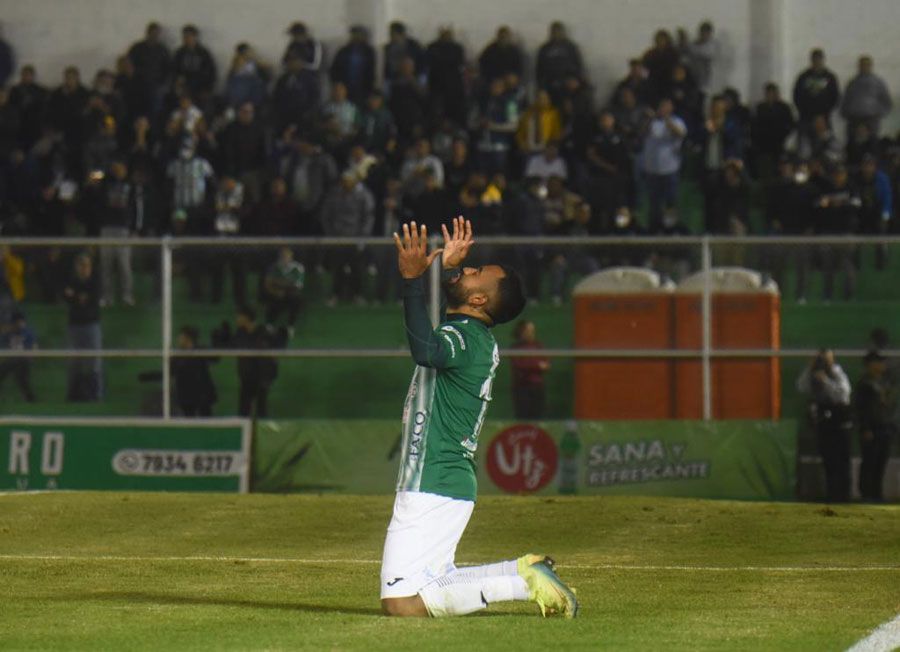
(394, 581)
(522, 459)
(415, 440)
(451, 329)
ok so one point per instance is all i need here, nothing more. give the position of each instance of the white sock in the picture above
(457, 594)
(501, 568)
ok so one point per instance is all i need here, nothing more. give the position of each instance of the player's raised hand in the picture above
(413, 258)
(456, 246)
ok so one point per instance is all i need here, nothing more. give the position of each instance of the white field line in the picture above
(372, 562)
(884, 638)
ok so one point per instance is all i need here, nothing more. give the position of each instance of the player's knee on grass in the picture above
(411, 606)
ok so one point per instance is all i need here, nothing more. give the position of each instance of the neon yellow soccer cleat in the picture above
(545, 587)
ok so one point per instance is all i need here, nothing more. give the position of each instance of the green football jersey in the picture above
(444, 412)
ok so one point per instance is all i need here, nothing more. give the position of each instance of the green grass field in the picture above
(91, 571)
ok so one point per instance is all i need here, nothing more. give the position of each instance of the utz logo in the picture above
(522, 459)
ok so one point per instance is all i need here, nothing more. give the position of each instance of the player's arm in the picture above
(427, 347)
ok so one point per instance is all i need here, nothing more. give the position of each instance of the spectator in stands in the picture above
(117, 222)
(277, 214)
(243, 151)
(194, 62)
(701, 55)
(19, 336)
(728, 199)
(836, 212)
(816, 93)
(819, 143)
(248, 78)
(876, 204)
(83, 296)
(310, 172)
(873, 402)
(7, 60)
(137, 100)
(528, 388)
(195, 391)
(721, 143)
(400, 48)
(295, 96)
(100, 150)
(772, 124)
(29, 99)
(631, 120)
(557, 59)
(577, 113)
(304, 47)
(547, 164)
(418, 160)
(788, 209)
(229, 206)
(341, 121)
(566, 213)
(828, 387)
(501, 57)
(283, 288)
(408, 101)
(610, 174)
(499, 119)
(152, 62)
(635, 81)
(687, 100)
(659, 61)
(540, 124)
(445, 60)
(866, 99)
(661, 159)
(624, 225)
(862, 143)
(433, 204)
(349, 211)
(65, 108)
(459, 167)
(354, 66)
(378, 131)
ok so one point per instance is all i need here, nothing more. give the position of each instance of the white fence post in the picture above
(166, 272)
(706, 313)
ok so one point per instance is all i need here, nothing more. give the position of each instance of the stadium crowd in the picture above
(164, 142)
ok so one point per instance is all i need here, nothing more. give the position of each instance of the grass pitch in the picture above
(112, 571)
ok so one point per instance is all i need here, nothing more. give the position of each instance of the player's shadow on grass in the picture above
(194, 600)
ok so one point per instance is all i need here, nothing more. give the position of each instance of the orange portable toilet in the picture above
(623, 308)
(746, 314)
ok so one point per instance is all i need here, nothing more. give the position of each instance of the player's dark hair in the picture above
(510, 299)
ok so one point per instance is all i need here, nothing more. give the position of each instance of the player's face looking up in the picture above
(475, 287)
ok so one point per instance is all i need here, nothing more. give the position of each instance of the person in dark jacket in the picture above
(816, 92)
(788, 210)
(19, 337)
(65, 108)
(195, 391)
(500, 58)
(152, 62)
(873, 401)
(354, 65)
(771, 126)
(446, 59)
(255, 373)
(83, 296)
(193, 61)
(557, 59)
(29, 98)
(400, 47)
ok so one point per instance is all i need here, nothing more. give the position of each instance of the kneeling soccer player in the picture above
(442, 417)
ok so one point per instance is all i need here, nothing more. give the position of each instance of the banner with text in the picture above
(721, 459)
(124, 454)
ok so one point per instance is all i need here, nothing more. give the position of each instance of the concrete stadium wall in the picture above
(762, 39)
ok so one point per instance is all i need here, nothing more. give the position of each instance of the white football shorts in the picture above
(421, 541)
